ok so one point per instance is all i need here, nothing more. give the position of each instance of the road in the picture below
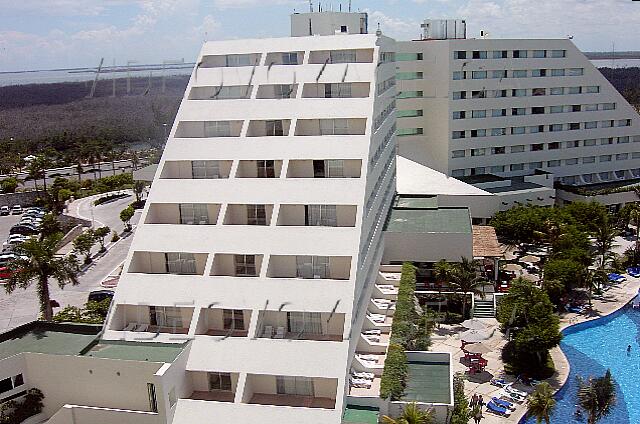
(22, 306)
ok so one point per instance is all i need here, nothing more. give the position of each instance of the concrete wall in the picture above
(427, 247)
(26, 198)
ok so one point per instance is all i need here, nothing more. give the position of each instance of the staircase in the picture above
(484, 308)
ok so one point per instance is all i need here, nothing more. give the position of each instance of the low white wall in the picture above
(74, 414)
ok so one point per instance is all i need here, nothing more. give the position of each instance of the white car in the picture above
(16, 210)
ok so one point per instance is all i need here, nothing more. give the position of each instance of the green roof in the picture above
(135, 351)
(417, 202)
(428, 382)
(360, 415)
(40, 337)
(441, 220)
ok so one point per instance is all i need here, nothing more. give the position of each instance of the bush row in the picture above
(394, 374)
(405, 316)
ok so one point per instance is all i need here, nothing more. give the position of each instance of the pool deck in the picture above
(446, 339)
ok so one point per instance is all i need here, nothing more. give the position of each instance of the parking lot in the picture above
(6, 222)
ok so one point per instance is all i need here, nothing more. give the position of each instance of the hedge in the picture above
(405, 317)
(394, 374)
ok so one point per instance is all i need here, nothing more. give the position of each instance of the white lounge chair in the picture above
(363, 375)
(374, 332)
(367, 357)
(372, 338)
(279, 333)
(141, 328)
(267, 331)
(131, 326)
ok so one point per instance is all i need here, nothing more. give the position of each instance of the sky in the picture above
(50, 34)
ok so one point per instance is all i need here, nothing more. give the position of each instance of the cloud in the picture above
(401, 29)
(240, 4)
(61, 7)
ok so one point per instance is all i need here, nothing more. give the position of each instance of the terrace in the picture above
(292, 391)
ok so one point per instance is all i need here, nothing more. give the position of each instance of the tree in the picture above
(541, 403)
(605, 234)
(9, 185)
(138, 188)
(461, 412)
(36, 170)
(594, 281)
(100, 234)
(92, 313)
(566, 271)
(465, 279)
(125, 216)
(83, 244)
(40, 265)
(50, 225)
(411, 414)
(597, 397)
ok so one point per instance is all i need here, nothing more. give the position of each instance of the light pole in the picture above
(164, 125)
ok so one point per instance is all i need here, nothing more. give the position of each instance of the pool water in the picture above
(591, 348)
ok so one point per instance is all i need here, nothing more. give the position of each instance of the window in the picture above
(572, 161)
(478, 171)
(6, 385)
(519, 92)
(497, 168)
(590, 125)
(458, 75)
(321, 216)
(343, 28)
(499, 74)
(624, 123)
(538, 91)
(477, 152)
(456, 173)
(537, 147)
(592, 89)
(574, 72)
(606, 141)
(535, 165)
(266, 168)
(518, 130)
(497, 93)
(408, 57)
(217, 129)
(459, 95)
(290, 58)
(573, 143)
(558, 53)
(479, 54)
(403, 132)
(636, 138)
(342, 56)
(283, 91)
(273, 128)
(234, 60)
(576, 108)
(517, 166)
(256, 215)
(205, 169)
(555, 145)
(219, 380)
(591, 108)
(539, 54)
(590, 142)
(304, 322)
(459, 114)
(606, 124)
(498, 131)
(519, 54)
(556, 109)
(296, 386)
(479, 74)
(457, 154)
(575, 90)
(555, 127)
(554, 163)
(457, 134)
(478, 94)
(339, 90)
(408, 76)
(589, 159)
(478, 133)
(498, 112)
(622, 156)
(232, 319)
(536, 129)
(556, 91)
(557, 72)
(499, 54)
(409, 113)
(245, 265)
(498, 150)
(574, 126)
(539, 73)
(460, 54)
(180, 263)
(335, 168)
(605, 158)
(194, 214)
(153, 401)
(410, 94)
(519, 73)
(516, 111)
(517, 149)
(312, 267)
(334, 126)
(623, 140)
(537, 110)
(478, 113)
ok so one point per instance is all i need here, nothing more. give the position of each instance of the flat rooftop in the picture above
(135, 351)
(515, 186)
(360, 415)
(416, 202)
(428, 382)
(439, 220)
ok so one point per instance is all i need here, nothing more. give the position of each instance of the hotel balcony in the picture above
(332, 168)
(213, 386)
(230, 60)
(310, 267)
(336, 90)
(224, 322)
(301, 392)
(319, 326)
(259, 169)
(317, 215)
(271, 128)
(284, 58)
(277, 91)
(183, 213)
(197, 169)
(241, 265)
(152, 319)
(234, 92)
(248, 215)
(338, 126)
(177, 263)
(208, 129)
(342, 56)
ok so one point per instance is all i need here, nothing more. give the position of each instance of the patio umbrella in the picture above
(474, 324)
(479, 348)
(530, 259)
(530, 277)
(474, 336)
(512, 267)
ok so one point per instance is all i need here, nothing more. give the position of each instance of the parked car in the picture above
(4, 210)
(24, 229)
(100, 295)
(16, 210)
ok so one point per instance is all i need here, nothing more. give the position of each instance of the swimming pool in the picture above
(591, 348)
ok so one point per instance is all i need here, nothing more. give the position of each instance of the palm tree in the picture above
(465, 279)
(411, 415)
(594, 280)
(597, 397)
(605, 235)
(35, 171)
(541, 403)
(39, 266)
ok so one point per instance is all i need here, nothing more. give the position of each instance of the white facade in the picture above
(511, 107)
(262, 230)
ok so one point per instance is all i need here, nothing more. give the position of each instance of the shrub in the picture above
(394, 374)
(15, 411)
(114, 236)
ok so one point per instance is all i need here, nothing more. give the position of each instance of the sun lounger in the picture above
(497, 409)
(267, 331)
(362, 384)
(374, 332)
(362, 375)
(279, 333)
(509, 388)
(131, 326)
(511, 397)
(141, 328)
(499, 382)
(503, 403)
(367, 357)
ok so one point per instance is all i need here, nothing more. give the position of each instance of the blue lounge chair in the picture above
(499, 382)
(497, 409)
(503, 403)
(634, 271)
